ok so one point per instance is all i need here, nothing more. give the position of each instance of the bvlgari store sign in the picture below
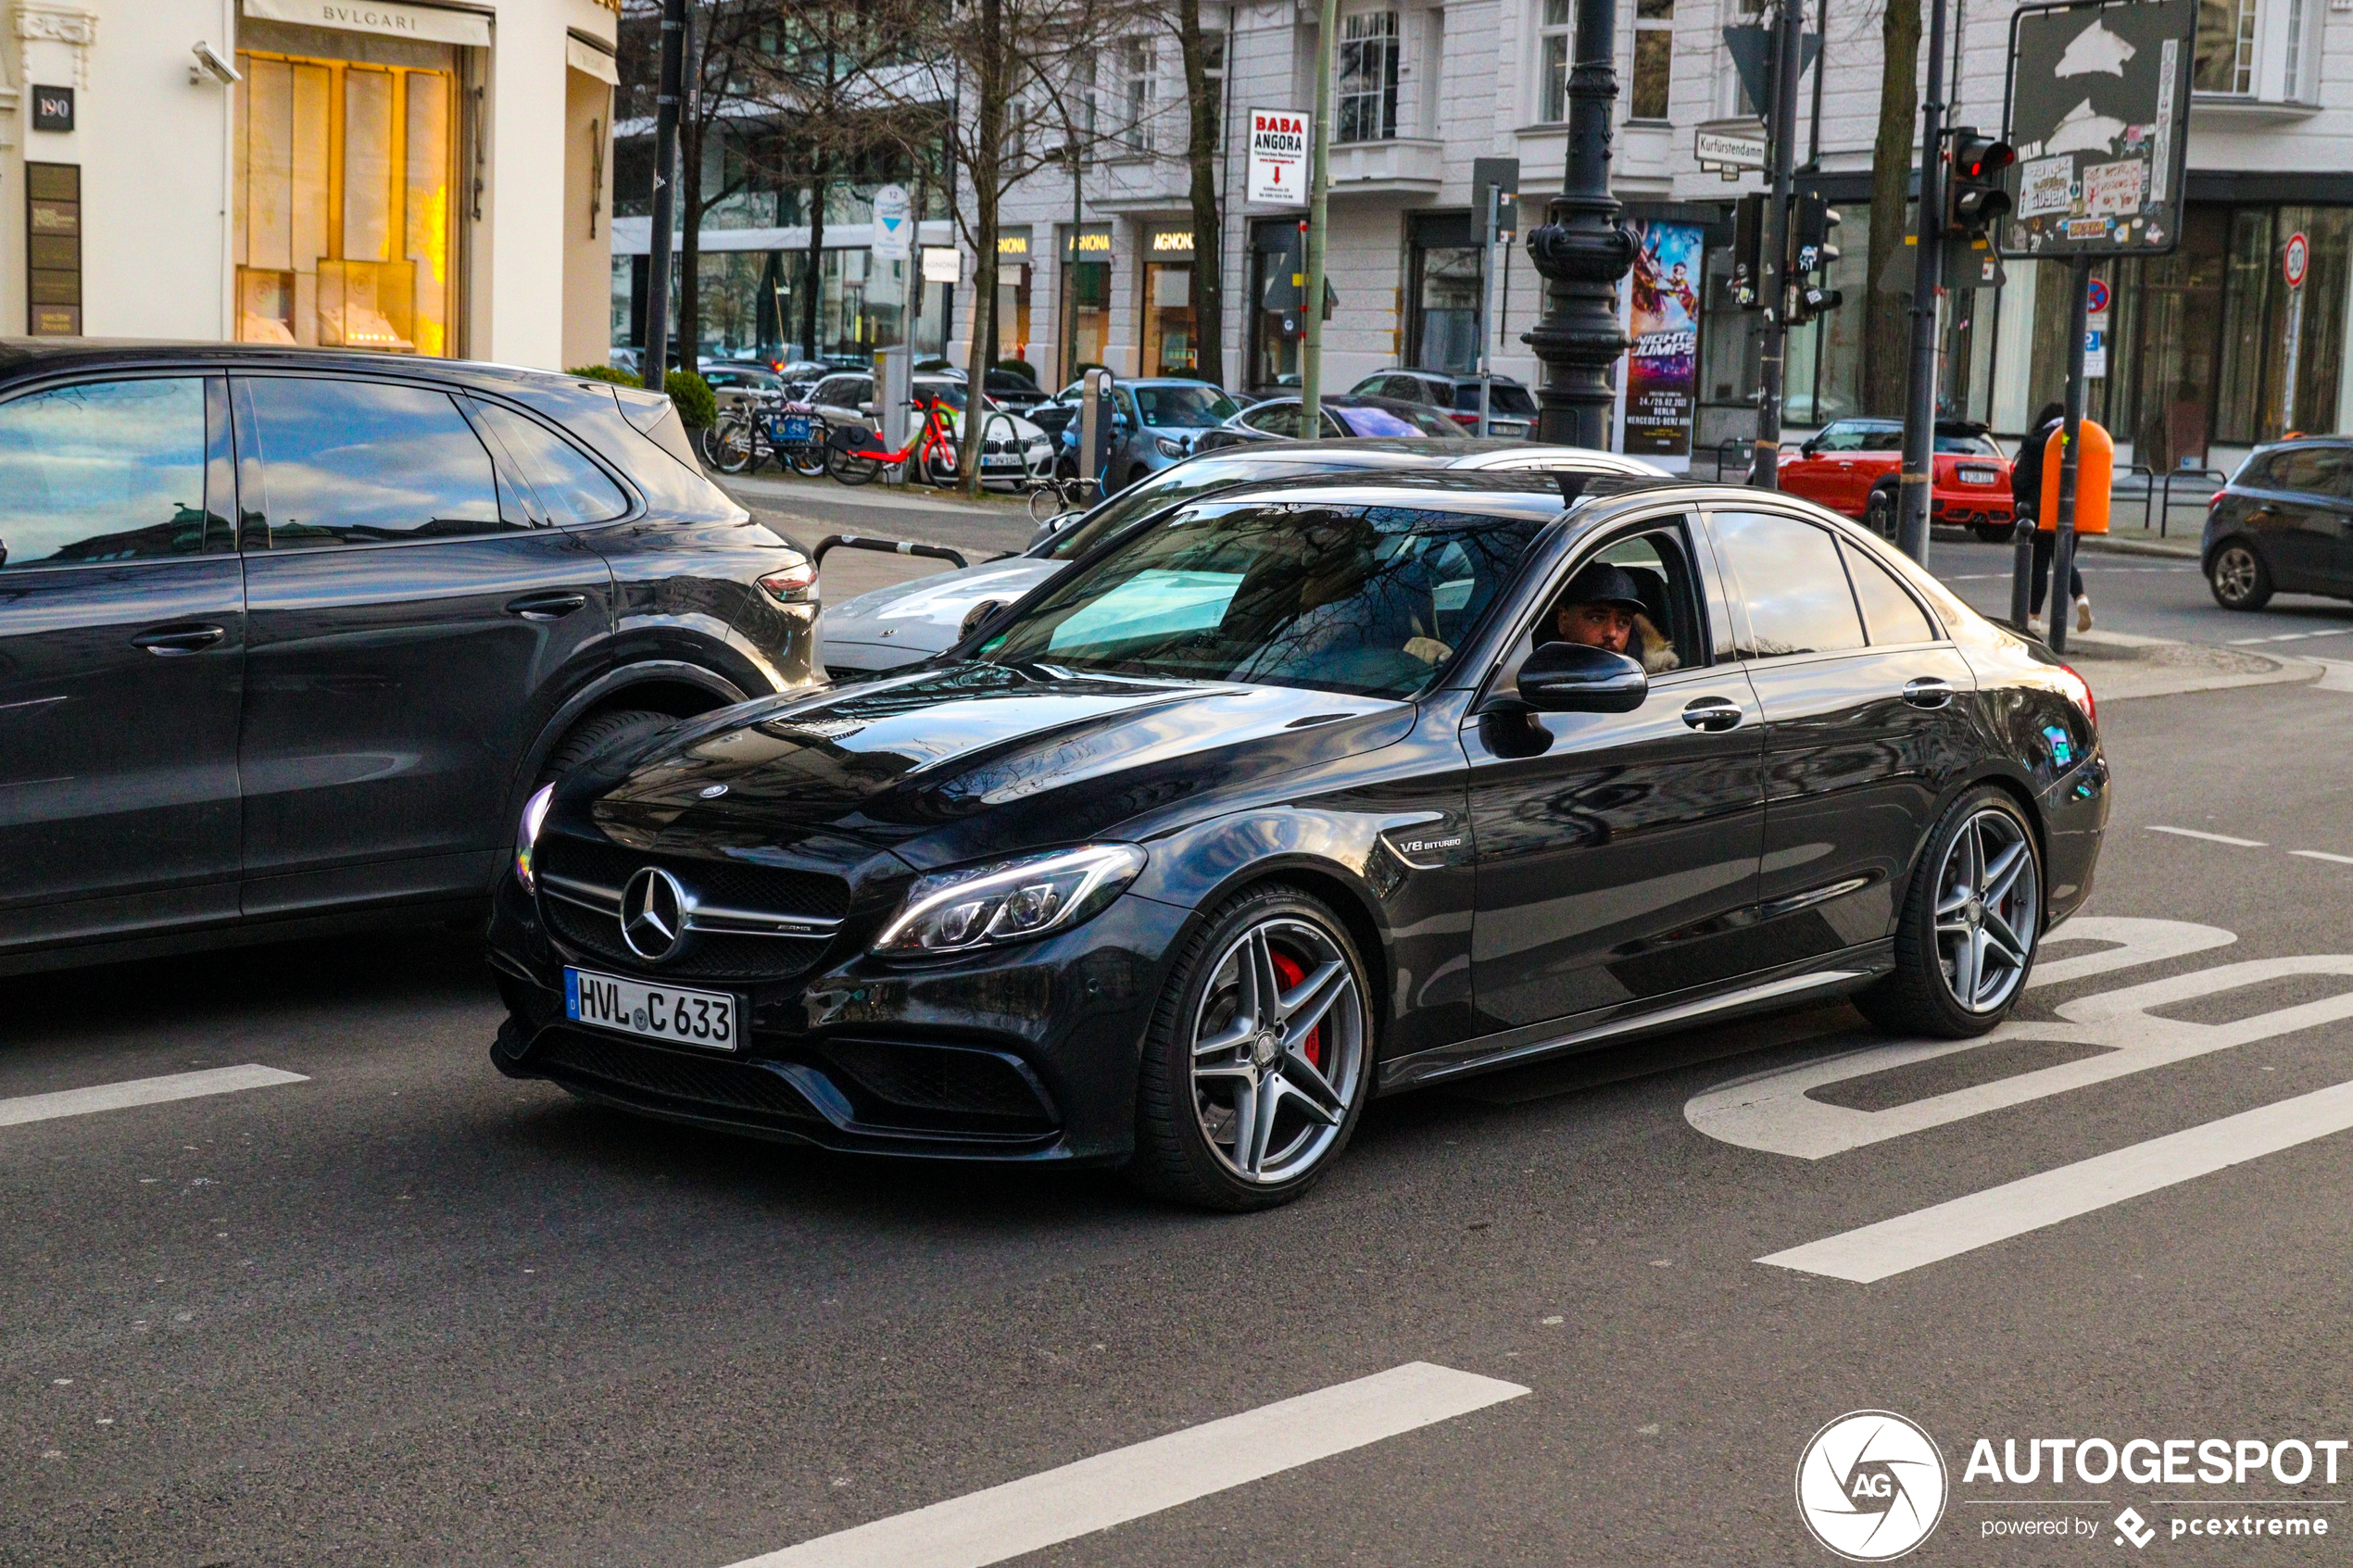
(430, 24)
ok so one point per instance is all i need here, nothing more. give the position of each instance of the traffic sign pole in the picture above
(1912, 493)
(2059, 604)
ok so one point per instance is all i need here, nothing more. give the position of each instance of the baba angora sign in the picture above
(2098, 109)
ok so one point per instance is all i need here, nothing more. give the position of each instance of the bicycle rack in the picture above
(887, 546)
(2165, 512)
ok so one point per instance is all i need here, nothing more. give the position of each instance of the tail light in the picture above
(2079, 692)
(2216, 499)
(1468, 421)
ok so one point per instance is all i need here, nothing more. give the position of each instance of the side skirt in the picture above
(1812, 981)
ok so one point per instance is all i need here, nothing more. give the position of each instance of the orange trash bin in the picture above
(2095, 473)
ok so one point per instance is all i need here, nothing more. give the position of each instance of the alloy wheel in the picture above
(1988, 907)
(2235, 575)
(1278, 1050)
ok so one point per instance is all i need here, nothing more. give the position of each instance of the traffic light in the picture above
(1975, 198)
(1810, 231)
(1748, 250)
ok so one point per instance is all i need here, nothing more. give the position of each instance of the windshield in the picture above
(1401, 419)
(949, 393)
(1185, 405)
(1365, 599)
(1162, 490)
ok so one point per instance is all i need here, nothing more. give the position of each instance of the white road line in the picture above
(1146, 1479)
(2323, 855)
(1947, 1230)
(141, 1091)
(2211, 838)
(2291, 636)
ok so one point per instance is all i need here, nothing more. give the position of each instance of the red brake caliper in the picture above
(1290, 972)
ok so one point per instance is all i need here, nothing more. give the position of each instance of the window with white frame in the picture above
(2225, 46)
(1212, 65)
(2259, 49)
(1365, 106)
(1653, 58)
(1139, 86)
(1732, 97)
(1552, 63)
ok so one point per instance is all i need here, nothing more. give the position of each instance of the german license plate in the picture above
(667, 1013)
(796, 431)
(1978, 476)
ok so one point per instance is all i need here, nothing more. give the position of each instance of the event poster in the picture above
(1662, 366)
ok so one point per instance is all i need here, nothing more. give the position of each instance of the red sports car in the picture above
(1851, 466)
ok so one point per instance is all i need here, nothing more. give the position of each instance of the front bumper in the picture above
(1024, 1055)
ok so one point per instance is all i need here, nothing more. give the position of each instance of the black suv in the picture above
(289, 635)
(2284, 524)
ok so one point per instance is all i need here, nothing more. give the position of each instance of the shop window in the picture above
(1365, 101)
(1086, 292)
(1653, 58)
(1170, 345)
(345, 213)
(1275, 285)
(1442, 332)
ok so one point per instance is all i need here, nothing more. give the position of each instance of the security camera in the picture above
(212, 62)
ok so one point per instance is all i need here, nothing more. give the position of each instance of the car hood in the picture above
(925, 615)
(949, 764)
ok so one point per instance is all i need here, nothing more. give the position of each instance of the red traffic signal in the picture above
(1979, 158)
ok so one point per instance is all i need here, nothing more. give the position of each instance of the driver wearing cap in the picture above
(1602, 608)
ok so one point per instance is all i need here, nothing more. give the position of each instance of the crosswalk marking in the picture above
(1148, 1477)
(2211, 838)
(140, 1091)
(1947, 1230)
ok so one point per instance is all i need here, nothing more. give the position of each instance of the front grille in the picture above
(636, 1072)
(581, 883)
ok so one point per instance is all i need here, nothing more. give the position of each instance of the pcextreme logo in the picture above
(1870, 1486)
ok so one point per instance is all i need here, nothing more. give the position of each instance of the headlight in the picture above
(535, 811)
(1011, 901)
(1169, 448)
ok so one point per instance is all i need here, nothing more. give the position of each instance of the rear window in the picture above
(1966, 443)
(1512, 400)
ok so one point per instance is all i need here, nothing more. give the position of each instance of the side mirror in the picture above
(1573, 678)
(1808, 449)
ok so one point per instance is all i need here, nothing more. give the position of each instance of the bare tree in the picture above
(1008, 63)
(1887, 328)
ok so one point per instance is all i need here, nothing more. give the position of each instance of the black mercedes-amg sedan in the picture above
(1306, 793)
(288, 635)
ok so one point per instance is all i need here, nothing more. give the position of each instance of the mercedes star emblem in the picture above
(653, 914)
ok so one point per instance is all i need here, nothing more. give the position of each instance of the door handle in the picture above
(173, 642)
(545, 606)
(1712, 713)
(1928, 691)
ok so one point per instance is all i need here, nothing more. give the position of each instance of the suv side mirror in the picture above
(1573, 678)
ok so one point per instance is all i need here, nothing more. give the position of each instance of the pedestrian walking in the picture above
(2026, 498)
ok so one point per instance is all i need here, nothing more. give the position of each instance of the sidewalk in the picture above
(2122, 666)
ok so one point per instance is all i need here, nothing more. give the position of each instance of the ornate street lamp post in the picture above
(1582, 250)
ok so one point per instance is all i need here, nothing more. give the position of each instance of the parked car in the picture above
(2284, 523)
(1851, 466)
(1511, 407)
(800, 375)
(1012, 448)
(731, 382)
(442, 583)
(1011, 389)
(1344, 415)
(908, 621)
(1299, 796)
(1156, 421)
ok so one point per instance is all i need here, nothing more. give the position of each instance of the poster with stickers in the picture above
(2098, 111)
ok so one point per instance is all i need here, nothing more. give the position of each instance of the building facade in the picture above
(396, 177)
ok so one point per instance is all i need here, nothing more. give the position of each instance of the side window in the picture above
(2262, 472)
(1841, 437)
(360, 463)
(107, 471)
(1890, 614)
(1275, 419)
(1789, 575)
(571, 488)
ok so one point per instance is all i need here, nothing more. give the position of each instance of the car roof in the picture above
(1404, 451)
(1533, 496)
(25, 357)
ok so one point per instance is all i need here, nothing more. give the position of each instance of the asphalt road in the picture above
(406, 1312)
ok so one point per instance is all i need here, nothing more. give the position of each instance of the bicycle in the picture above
(1059, 493)
(793, 433)
(855, 457)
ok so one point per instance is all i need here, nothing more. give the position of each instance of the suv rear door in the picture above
(407, 616)
(122, 655)
(2301, 517)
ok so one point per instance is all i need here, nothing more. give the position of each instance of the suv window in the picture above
(107, 471)
(570, 488)
(1792, 585)
(359, 462)
(1890, 614)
